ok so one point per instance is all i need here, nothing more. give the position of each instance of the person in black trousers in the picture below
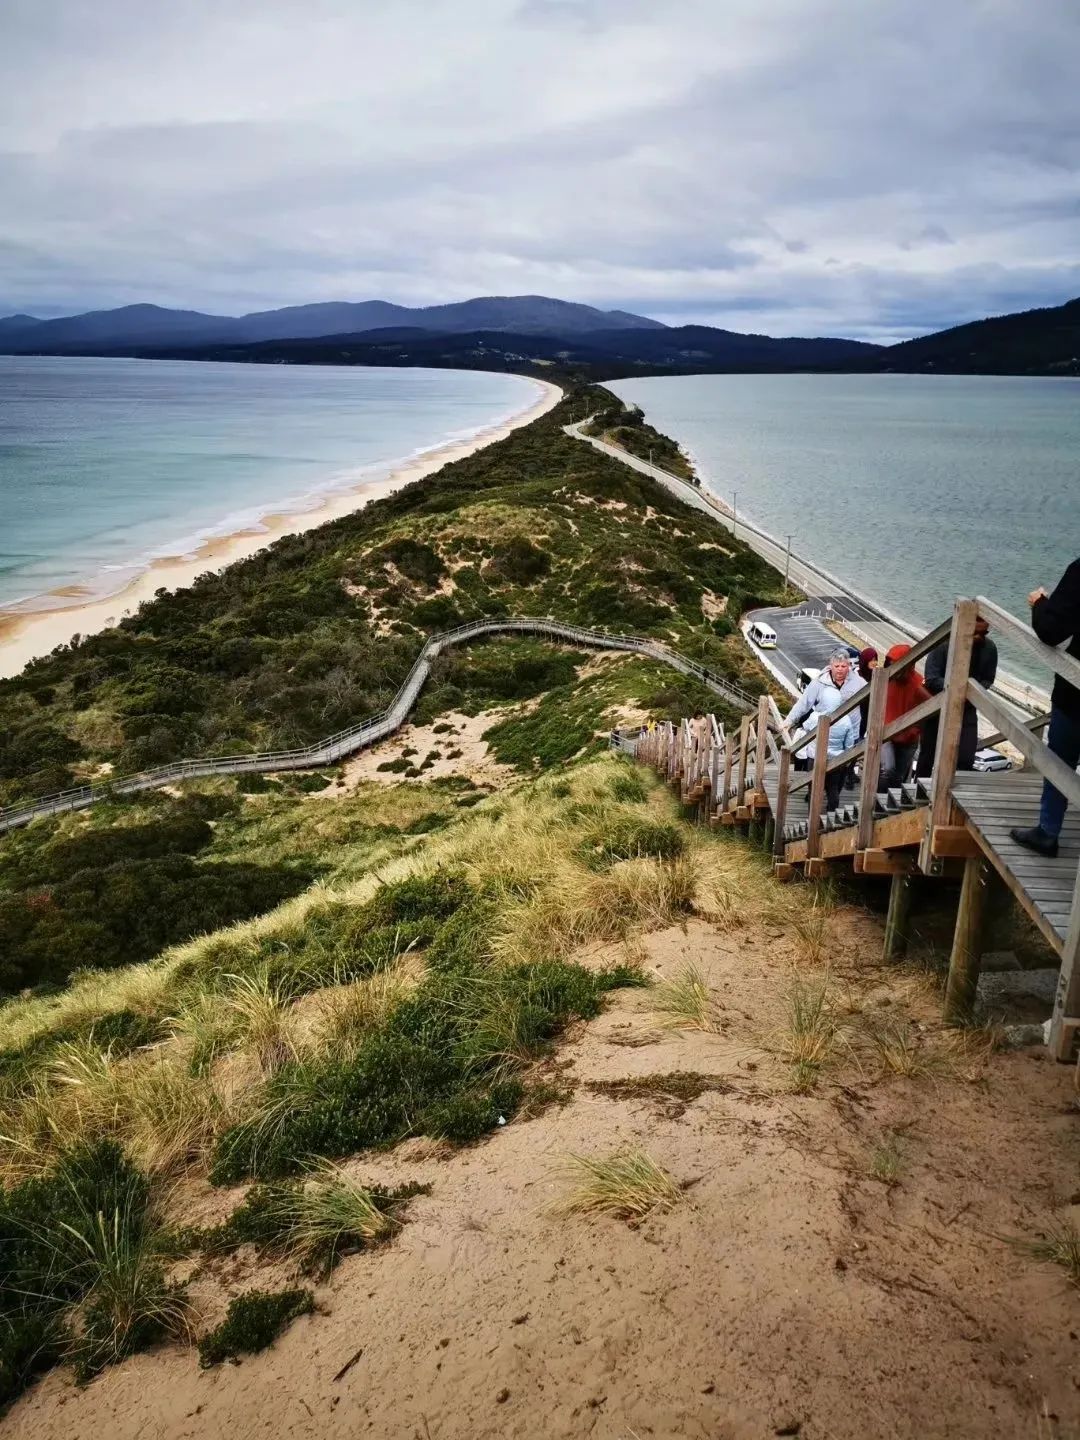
(1055, 618)
(983, 669)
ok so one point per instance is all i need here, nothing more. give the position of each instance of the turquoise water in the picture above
(912, 488)
(105, 464)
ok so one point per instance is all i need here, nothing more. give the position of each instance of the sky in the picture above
(871, 168)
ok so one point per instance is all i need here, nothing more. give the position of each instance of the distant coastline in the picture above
(36, 626)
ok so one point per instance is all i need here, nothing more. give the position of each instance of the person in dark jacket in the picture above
(1055, 618)
(983, 669)
(869, 660)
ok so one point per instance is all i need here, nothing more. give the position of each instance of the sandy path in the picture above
(38, 626)
(790, 1294)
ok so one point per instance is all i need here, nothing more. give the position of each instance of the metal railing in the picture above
(368, 732)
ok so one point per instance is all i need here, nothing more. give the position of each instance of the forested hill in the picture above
(1034, 342)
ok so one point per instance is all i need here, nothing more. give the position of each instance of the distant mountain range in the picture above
(154, 325)
(534, 331)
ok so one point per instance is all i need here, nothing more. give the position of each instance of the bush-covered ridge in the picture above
(317, 631)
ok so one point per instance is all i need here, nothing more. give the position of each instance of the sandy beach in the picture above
(38, 626)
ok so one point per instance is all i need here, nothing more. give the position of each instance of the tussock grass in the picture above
(813, 1034)
(886, 1159)
(628, 1184)
(685, 1002)
(313, 1220)
(1060, 1245)
(263, 1020)
(352, 1012)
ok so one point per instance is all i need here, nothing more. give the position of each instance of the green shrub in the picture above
(444, 1063)
(416, 561)
(629, 786)
(518, 561)
(252, 1322)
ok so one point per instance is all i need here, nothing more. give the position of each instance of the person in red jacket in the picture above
(1056, 618)
(902, 694)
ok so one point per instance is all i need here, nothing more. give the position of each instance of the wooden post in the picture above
(725, 784)
(896, 922)
(875, 722)
(780, 817)
(744, 740)
(1067, 999)
(961, 638)
(967, 944)
(769, 836)
(817, 786)
(762, 741)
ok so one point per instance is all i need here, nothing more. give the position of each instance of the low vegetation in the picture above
(625, 425)
(253, 1322)
(629, 1184)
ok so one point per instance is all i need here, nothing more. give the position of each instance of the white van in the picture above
(807, 674)
(763, 636)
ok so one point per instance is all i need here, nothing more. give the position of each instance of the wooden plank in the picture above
(885, 862)
(897, 920)
(915, 716)
(744, 740)
(966, 954)
(1049, 765)
(1056, 660)
(762, 752)
(953, 840)
(961, 638)
(872, 761)
(1067, 999)
(783, 872)
(780, 811)
(816, 868)
(817, 786)
(1048, 931)
(891, 832)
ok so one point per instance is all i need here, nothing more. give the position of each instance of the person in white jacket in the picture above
(836, 683)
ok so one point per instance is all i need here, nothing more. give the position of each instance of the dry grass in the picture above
(351, 1012)
(629, 1184)
(263, 1019)
(685, 1002)
(813, 1034)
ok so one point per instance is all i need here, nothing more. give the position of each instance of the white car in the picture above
(992, 760)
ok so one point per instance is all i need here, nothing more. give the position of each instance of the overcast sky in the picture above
(874, 168)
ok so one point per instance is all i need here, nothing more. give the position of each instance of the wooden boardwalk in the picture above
(954, 825)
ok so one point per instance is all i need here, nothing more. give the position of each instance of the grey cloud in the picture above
(820, 165)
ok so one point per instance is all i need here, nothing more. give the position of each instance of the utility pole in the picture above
(787, 563)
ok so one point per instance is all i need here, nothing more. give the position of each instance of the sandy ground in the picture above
(790, 1294)
(461, 750)
(37, 627)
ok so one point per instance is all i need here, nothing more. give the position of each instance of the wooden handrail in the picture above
(961, 640)
(879, 685)
(1057, 660)
(1041, 756)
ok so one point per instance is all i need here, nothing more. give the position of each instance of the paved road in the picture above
(802, 641)
(868, 622)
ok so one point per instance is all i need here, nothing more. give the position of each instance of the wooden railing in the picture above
(732, 770)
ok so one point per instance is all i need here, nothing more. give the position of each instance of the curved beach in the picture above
(37, 626)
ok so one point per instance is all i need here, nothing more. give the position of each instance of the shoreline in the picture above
(35, 627)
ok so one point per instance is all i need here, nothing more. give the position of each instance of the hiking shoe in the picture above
(1036, 839)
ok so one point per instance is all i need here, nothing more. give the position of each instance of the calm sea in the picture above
(912, 488)
(105, 464)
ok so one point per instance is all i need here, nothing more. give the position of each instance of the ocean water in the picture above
(106, 464)
(912, 488)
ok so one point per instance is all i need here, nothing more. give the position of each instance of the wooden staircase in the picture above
(953, 824)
